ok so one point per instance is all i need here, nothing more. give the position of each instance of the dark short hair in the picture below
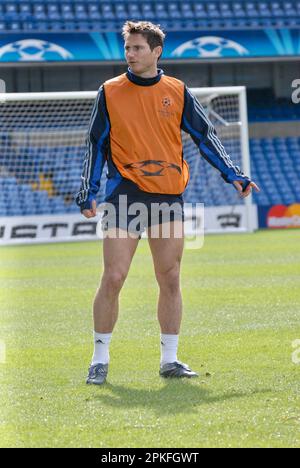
(151, 32)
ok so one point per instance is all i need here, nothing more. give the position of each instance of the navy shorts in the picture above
(134, 212)
(136, 216)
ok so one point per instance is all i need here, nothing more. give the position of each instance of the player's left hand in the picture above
(90, 213)
(244, 193)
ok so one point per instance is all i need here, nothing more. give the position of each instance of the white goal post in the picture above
(42, 147)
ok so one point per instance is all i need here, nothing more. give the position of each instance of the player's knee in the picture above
(169, 280)
(113, 280)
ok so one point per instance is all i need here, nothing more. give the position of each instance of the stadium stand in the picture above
(275, 167)
(45, 182)
(91, 15)
(279, 110)
(263, 106)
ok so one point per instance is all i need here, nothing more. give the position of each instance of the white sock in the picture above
(169, 345)
(101, 350)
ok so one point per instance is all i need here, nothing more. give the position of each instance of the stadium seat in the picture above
(147, 11)
(238, 10)
(107, 12)
(225, 10)
(251, 10)
(173, 10)
(80, 12)
(121, 11)
(25, 12)
(10, 11)
(199, 10)
(67, 13)
(187, 11)
(94, 11)
(53, 12)
(213, 10)
(40, 12)
(15, 26)
(134, 10)
(276, 9)
(289, 9)
(161, 11)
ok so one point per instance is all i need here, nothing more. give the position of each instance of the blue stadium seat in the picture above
(147, 11)
(187, 11)
(80, 12)
(67, 12)
(93, 6)
(173, 10)
(25, 12)
(53, 12)
(264, 9)
(276, 9)
(10, 11)
(251, 10)
(238, 10)
(107, 12)
(199, 10)
(40, 11)
(290, 8)
(121, 11)
(225, 10)
(56, 26)
(213, 10)
(29, 25)
(94, 11)
(134, 11)
(161, 11)
(14, 26)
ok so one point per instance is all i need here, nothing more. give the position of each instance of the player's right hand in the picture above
(92, 212)
(244, 193)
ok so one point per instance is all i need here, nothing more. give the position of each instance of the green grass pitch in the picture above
(241, 315)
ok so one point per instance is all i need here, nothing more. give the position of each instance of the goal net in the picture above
(226, 108)
(42, 147)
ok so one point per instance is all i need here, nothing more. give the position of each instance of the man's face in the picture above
(139, 56)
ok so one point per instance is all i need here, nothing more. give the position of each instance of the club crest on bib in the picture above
(166, 102)
(166, 109)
